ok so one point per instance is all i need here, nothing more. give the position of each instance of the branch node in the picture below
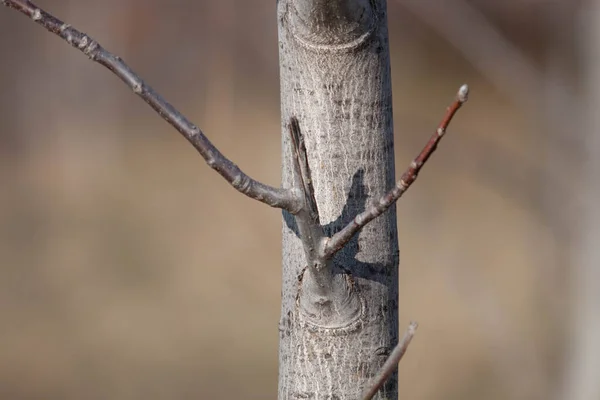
(238, 183)
(137, 88)
(36, 15)
(358, 220)
(213, 163)
(83, 42)
(241, 183)
(90, 50)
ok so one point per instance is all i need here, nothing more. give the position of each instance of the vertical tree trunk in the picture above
(339, 308)
(335, 79)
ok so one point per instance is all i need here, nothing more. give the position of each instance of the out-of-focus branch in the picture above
(475, 37)
(391, 363)
(337, 241)
(275, 197)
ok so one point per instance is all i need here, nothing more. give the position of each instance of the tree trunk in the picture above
(339, 318)
(336, 331)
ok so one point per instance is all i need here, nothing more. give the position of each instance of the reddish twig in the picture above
(275, 197)
(337, 241)
(391, 363)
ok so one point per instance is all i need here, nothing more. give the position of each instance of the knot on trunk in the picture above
(332, 305)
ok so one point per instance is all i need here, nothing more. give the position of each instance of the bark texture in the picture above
(335, 79)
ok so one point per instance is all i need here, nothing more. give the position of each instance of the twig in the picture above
(337, 241)
(275, 197)
(391, 363)
(492, 53)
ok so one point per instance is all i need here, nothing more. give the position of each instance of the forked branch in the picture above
(275, 197)
(337, 241)
(391, 363)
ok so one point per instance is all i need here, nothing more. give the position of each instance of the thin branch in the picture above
(275, 197)
(302, 169)
(391, 363)
(307, 217)
(337, 241)
(491, 52)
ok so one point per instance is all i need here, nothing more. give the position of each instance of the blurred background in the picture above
(130, 270)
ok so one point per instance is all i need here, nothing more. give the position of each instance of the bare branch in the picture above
(498, 59)
(337, 241)
(275, 197)
(391, 363)
(302, 170)
(307, 217)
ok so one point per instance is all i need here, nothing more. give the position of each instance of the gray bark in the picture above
(339, 323)
(340, 293)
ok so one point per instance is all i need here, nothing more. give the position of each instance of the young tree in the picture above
(339, 317)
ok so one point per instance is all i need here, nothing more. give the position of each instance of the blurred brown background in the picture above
(130, 270)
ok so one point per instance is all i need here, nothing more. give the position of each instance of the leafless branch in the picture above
(391, 363)
(307, 217)
(337, 241)
(275, 197)
(302, 169)
(498, 59)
